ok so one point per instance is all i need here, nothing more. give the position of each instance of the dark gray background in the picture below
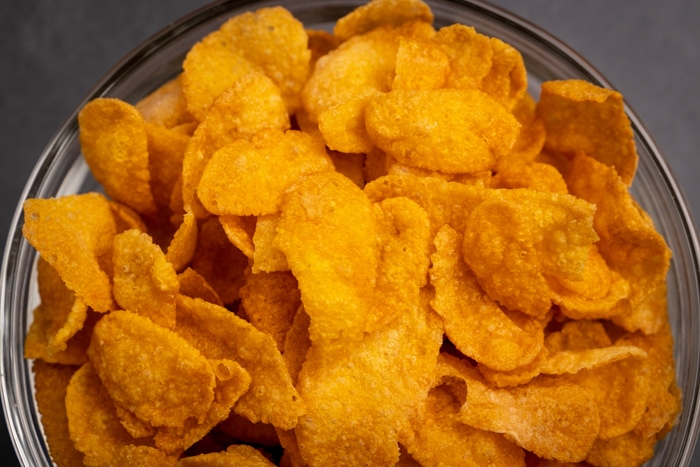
(52, 52)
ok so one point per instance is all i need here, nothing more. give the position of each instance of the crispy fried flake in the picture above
(444, 202)
(554, 420)
(629, 243)
(166, 106)
(374, 407)
(441, 439)
(184, 243)
(92, 419)
(51, 381)
(266, 256)
(580, 116)
(336, 94)
(193, 285)
(74, 235)
(324, 213)
(449, 130)
(600, 293)
(470, 55)
(166, 150)
(239, 230)
(378, 13)
(142, 456)
(218, 333)
(474, 323)
(57, 320)
(270, 301)
(506, 81)
(175, 382)
(250, 105)
(516, 238)
(275, 42)
(114, 141)
(238, 455)
(420, 64)
(144, 281)
(250, 178)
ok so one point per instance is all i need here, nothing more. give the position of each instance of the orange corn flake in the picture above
(363, 245)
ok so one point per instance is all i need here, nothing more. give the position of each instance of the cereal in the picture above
(114, 141)
(365, 247)
(514, 339)
(573, 113)
(441, 129)
(144, 281)
(77, 250)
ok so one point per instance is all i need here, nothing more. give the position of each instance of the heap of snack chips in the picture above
(370, 247)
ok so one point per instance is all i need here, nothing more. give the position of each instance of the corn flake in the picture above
(75, 230)
(474, 323)
(323, 213)
(250, 178)
(51, 381)
(516, 238)
(629, 243)
(114, 142)
(580, 116)
(379, 13)
(175, 380)
(218, 333)
(449, 130)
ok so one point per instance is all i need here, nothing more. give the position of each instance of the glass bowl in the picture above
(61, 170)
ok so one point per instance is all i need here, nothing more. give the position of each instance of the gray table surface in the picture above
(52, 53)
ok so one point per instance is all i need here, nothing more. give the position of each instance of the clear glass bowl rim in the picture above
(26, 443)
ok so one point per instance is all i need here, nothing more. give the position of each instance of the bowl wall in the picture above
(61, 170)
